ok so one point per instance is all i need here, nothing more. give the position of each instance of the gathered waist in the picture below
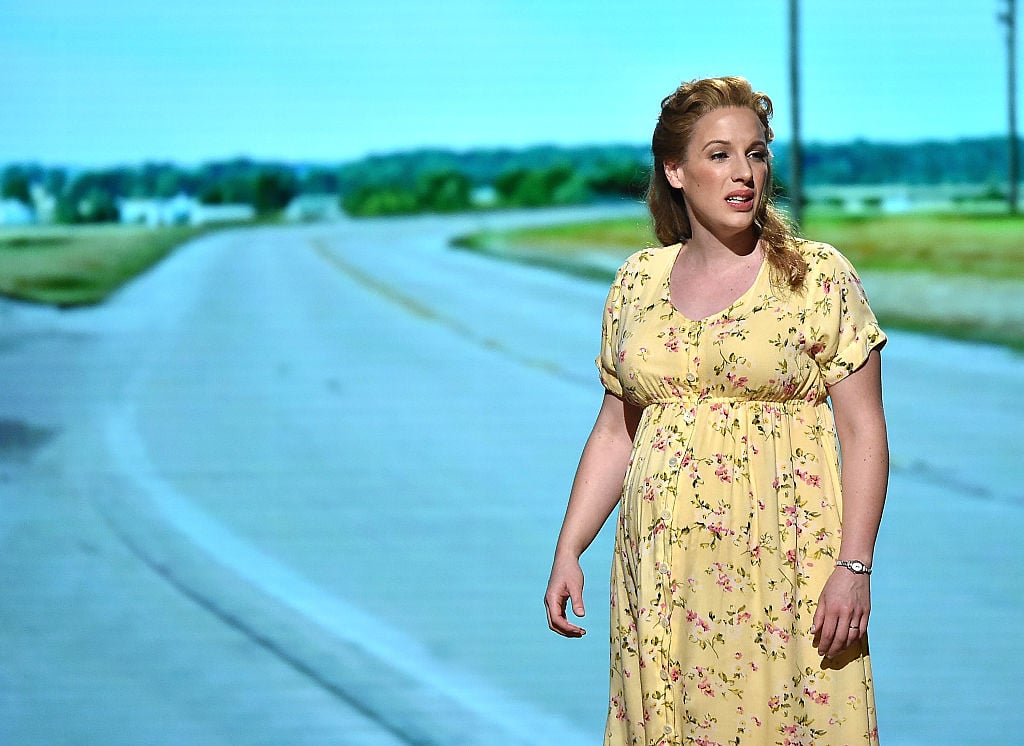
(780, 405)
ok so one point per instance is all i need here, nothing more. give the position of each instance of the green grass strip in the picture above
(80, 265)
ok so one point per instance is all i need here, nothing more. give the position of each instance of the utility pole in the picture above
(796, 170)
(1009, 17)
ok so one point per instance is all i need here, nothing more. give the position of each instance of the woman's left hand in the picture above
(841, 619)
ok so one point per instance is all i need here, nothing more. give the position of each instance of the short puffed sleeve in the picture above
(608, 357)
(842, 324)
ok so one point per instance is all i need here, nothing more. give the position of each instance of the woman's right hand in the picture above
(565, 584)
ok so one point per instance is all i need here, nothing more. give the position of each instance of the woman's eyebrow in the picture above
(758, 141)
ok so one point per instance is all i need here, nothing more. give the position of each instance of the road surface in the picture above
(301, 485)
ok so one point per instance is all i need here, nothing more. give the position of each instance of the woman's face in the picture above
(724, 173)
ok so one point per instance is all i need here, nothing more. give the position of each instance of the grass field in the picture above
(80, 265)
(960, 275)
(985, 246)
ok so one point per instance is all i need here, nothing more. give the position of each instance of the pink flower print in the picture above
(719, 530)
(622, 355)
(820, 698)
(699, 624)
(672, 343)
(736, 380)
(777, 631)
(812, 479)
(790, 512)
(723, 472)
(791, 557)
(705, 686)
(774, 703)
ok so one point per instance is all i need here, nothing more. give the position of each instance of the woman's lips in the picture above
(742, 200)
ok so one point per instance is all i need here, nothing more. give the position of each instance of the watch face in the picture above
(857, 566)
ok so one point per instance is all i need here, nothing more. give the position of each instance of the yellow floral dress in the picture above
(729, 523)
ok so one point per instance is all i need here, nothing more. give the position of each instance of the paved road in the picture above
(301, 485)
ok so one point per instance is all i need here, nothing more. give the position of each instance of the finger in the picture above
(577, 602)
(826, 636)
(860, 628)
(844, 636)
(824, 629)
(557, 620)
(818, 622)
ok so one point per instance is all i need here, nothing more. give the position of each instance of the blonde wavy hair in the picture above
(679, 114)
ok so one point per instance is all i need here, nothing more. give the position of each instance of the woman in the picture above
(740, 594)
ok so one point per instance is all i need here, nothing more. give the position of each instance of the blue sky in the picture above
(96, 83)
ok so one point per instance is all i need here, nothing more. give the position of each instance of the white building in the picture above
(181, 210)
(16, 212)
(306, 208)
(155, 212)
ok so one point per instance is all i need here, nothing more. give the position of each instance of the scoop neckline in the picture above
(710, 317)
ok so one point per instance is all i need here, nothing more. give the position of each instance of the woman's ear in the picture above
(674, 174)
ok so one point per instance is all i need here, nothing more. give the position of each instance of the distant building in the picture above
(16, 212)
(45, 204)
(307, 208)
(231, 213)
(181, 210)
(894, 198)
(155, 212)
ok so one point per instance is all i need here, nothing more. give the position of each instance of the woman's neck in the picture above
(712, 249)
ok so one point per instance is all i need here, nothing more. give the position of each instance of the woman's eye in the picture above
(758, 155)
(719, 156)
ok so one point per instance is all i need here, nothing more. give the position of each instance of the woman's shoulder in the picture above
(651, 261)
(821, 256)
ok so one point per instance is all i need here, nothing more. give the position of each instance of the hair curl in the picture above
(679, 114)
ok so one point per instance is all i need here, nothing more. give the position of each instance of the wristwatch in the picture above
(855, 566)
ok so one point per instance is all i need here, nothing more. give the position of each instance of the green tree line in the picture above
(439, 180)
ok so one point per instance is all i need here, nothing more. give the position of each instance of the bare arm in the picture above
(595, 492)
(841, 618)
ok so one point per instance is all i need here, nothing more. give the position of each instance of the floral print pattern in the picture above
(730, 517)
